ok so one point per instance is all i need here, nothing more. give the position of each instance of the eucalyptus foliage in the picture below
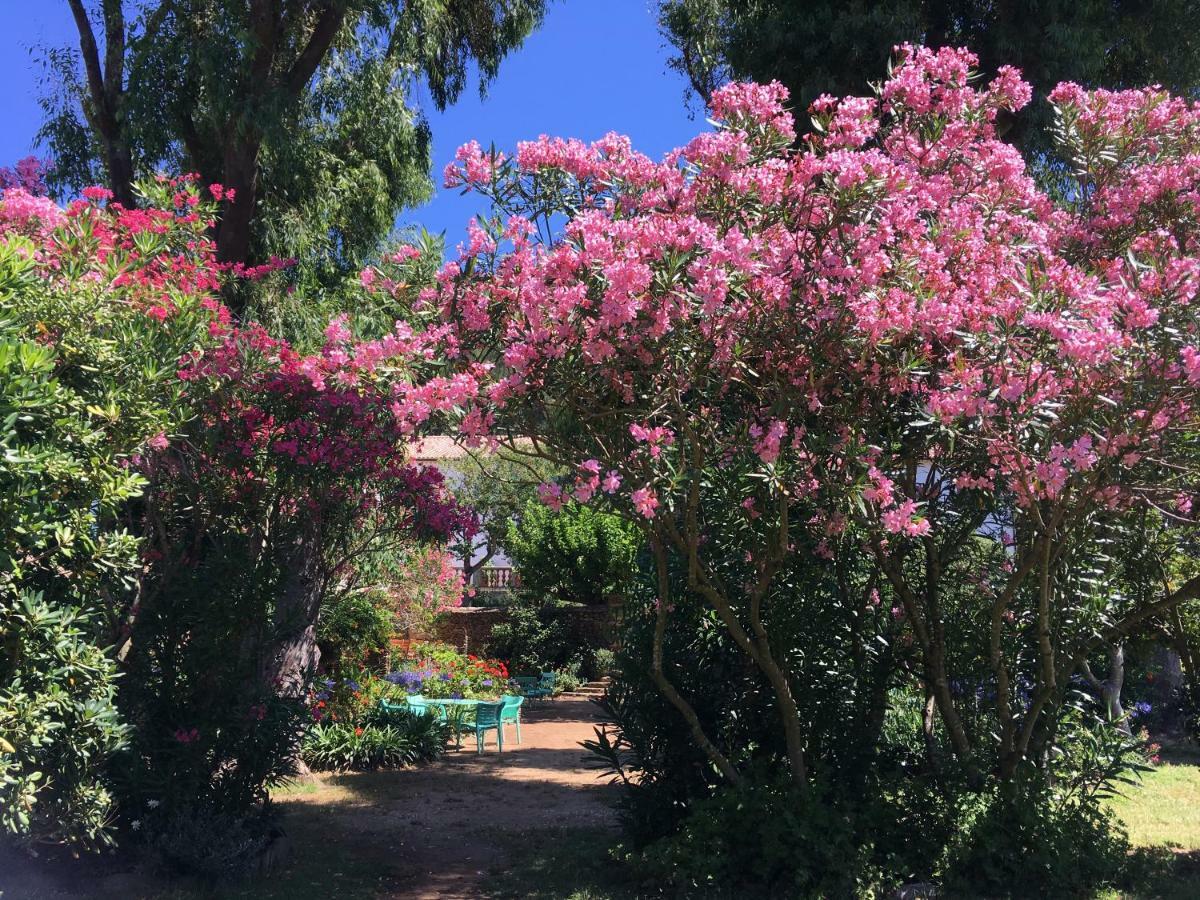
(303, 107)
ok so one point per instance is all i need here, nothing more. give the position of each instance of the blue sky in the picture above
(595, 66)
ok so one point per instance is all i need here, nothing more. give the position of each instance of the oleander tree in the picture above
(99, 305)
(888, 346)
(181, 495)
(280, 496)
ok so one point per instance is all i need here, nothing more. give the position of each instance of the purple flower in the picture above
(487, 682)
(1141, 708)
(353, 685)
(323, 695)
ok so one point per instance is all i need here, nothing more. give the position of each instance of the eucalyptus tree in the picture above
(303, 110)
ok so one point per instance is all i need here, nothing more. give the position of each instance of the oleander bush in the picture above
(97, 306)
(888, 413)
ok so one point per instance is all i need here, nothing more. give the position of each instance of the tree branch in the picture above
(114, 51)
(91, 56)
(314, 51)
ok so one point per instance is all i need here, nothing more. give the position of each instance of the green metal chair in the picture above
(536, 688)
(512, 712)
(389, 707)
(527, 683)
(487, 718)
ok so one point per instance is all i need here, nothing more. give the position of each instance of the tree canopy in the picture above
(819, 47)
(301, 109)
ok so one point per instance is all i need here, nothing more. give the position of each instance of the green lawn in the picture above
(1162, 814)
(1165, 808)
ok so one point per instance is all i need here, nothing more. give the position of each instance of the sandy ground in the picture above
(446, 825)
(437, 831)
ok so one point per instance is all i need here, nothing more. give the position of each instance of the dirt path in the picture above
(439, 831)
(444, 827)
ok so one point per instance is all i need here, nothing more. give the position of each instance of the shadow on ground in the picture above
(439, 831)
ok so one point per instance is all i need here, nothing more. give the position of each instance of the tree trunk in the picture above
(240, 173)
(292, 655)
(1110, 688)
(119, 166)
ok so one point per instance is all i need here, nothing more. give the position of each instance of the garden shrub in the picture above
(1033, 842)
(575, 554)
(384, 741)
(538, 637)
(533, 638)
(58, 725)
(763, 841)
(603, 662)
(569, 677)
(217, 845)
(97, 306)
(355, 627)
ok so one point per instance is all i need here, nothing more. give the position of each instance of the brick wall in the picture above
(470, 628)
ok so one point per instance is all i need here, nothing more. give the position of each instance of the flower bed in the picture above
(438, 670)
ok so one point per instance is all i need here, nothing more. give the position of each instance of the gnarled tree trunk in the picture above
(291, 654)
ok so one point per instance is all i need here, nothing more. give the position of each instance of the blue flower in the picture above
(353, 685)
(395, 677)
(324, 695)
(329, 682)
(1141, 708)
(455, 695)
(444, 676)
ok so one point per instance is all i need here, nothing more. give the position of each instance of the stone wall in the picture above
(468, 628)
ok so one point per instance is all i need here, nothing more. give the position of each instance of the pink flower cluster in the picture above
(331, 418)
(743, 303)
(29, 175)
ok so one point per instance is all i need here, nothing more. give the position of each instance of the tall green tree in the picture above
(831, 46)
(301, 108)
(497, 486)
